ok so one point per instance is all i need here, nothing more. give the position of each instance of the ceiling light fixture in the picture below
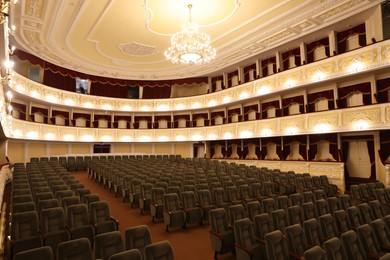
(190, 46)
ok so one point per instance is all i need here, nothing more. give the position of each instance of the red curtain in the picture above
(312, 98)
(65, 114)
(311, 47)
(214, 81)
(333, 146)
(272, 104)
(382, 88)
(232, 112)
(107, 90)
(21, 108)
(265, 63)
(43, 111)
(295, 53)
(247, 70)
(59, 81)
(250, 108)
(301, 139)
(343, 36)
(156, 92)
(287, 102)
(345, 92)
(230, 77)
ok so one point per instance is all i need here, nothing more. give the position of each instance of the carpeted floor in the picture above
(188, 244)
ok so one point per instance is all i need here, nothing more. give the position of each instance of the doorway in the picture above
(359, 157)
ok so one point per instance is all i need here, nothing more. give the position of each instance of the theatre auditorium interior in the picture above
(194, 129)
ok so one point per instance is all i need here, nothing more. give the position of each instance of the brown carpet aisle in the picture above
(191, 243)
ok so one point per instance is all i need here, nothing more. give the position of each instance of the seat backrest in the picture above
(24, 224)
(283, 202)
(295, 215)
(219, 221)
(296, 239)
(345, 201)
(107, 244)
(137, 237)
(354, 217)
(263, 225)
(381, 231)
(89, 198)
(368, 239)
(133, 254)
(74, 249)
(219, 195)
(99, 212)
(279, 218)
(352, 245)
(253, 208)
(308, 196)
(158, 196)
(171, 202)
(244, 233)
(236, 212)
(44, 252)
(296, 199)
(334, 204)
(23, 207)
(77, 215)
(364, 210)
(334, 249)
(188, 199)
(313, 232)
(342, 221)
(52, 220)
(376, 209)
(322, 207)
(276, 246)
(328, 226)
(355, 192)
(309, 210)
(268, 205)
(160, 250)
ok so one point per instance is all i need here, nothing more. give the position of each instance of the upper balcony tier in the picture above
(373, 57)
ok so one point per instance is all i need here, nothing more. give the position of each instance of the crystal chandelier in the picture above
(189, 46)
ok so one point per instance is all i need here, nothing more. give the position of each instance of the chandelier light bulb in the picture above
(190, 46)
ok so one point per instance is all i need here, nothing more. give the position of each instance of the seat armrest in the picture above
(70, 230)
(243, 249)
(261, 241)
(295, 256)
(216, 235)
(372, 255)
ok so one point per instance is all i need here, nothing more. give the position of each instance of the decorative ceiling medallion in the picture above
(211, 13)
(137, 49)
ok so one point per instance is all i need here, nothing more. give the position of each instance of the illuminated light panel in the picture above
(212, 103)
(32, 135)
(163, 107)
(322, 128)
(163, 138)
(180, 106)
(246, 134)
(126, 108)
(9, 108)
(228, 135)
(69, 102)
(291, 130)
(356, 67)
(107, 107)
(87, 138)
(88, 105)
(20, 88)
(106, 138)
(318, 76)
(227, 99)
(68, 137)
(51, 99)
(264, 90)
(145, 108)
(9, 95)
(289, 83)
(35, 94)
(196, 137)
(145, 138)
(50, 136)
(17, 133)
(212, 136)
(9, 64)
(266, 132)
(360, 124)
(126, 138)
(244, 95)
(196, 105)
(180, 138)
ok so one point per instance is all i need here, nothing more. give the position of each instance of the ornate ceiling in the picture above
(127, 38)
